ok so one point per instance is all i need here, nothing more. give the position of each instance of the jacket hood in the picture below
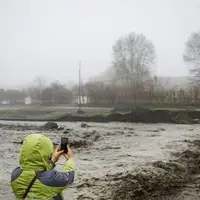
(35, 153)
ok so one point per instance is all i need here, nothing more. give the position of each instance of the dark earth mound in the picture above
(143, 116)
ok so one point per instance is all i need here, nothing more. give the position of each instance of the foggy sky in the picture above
(49, 37)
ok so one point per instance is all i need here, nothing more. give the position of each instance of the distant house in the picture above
(176, 82)
(83, 100)
(5, 102)
(28, 100)
(168, 82)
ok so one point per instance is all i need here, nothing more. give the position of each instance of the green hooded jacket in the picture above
(35, 156)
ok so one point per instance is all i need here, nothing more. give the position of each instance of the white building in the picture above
(83, 99)
(28, 100)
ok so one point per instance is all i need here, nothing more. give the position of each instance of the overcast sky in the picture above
(48, 37)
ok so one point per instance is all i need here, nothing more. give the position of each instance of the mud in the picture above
(117, 160)
(142, 116)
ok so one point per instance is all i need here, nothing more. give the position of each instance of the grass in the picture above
(46, 113)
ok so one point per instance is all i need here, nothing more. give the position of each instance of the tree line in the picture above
(133, 80)
(133, 58)
(40, 93)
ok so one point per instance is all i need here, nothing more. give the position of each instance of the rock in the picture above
(153, 131)
(78, 143)
(65, 132)
(81, 185)
(188, 154)
(87, 135)
(110, 147)
(60, 128)
(196, 142)
(128, 128)
(50, 125)
(83, 197)
(18, 142)
(170, 166)
(119, 165)
(154, 135)
(121, 132)
(96, 137)
(111, 133)
(84, 125)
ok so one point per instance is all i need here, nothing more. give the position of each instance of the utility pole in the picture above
(79, 95)
(79, 92)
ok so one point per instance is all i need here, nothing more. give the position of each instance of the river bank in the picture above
(117, 160)
(102, 115)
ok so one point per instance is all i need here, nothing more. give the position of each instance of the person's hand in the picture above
(56, 155)
(69, 154)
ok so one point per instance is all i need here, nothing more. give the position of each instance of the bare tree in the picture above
(98, 92)
(40, 85)
(132, 58)
(192, 56)
(60, 94)
(46, 96)
(40, 82)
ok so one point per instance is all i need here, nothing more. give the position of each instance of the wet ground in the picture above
(117, 160)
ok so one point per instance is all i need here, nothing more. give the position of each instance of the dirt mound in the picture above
(50, 125)
(148, 183)
(142, 115)
(182, 118)
(152, 185)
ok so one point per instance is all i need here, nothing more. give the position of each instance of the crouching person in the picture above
(35, 178)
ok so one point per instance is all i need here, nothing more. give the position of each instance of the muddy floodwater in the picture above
(117, 160)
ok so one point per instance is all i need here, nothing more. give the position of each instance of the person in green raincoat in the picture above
(35, 178)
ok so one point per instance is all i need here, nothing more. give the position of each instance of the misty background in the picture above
(48, 38)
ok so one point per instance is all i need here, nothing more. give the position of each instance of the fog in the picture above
(48, 38)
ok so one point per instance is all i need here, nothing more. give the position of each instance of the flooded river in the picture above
(114, 160)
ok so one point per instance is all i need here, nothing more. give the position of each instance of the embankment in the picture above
(135, 116)
(141, 116)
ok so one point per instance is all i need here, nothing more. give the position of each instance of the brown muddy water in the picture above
(117, 160)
